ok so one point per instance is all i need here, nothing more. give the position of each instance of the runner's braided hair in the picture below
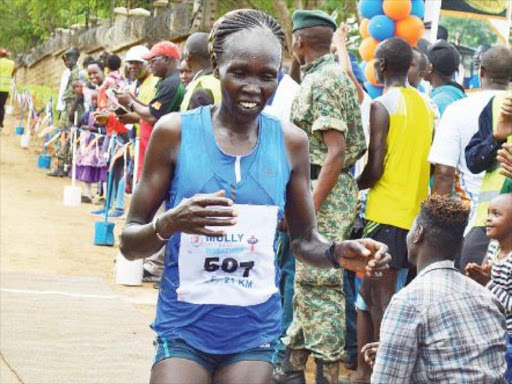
(238, 20)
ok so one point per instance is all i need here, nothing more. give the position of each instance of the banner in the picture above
(476, 8)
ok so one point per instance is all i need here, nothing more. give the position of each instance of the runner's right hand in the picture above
(193, 215)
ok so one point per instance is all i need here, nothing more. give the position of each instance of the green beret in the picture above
(73, 51)
(307, 19)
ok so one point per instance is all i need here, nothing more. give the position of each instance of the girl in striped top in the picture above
(496, 272)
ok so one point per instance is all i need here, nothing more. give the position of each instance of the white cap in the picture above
(136, 53)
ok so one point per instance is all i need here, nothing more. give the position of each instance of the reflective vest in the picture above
(493, 181)
(6, 71)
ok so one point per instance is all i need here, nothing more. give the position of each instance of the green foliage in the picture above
(473, 32)
(26, 23)
(41, 94)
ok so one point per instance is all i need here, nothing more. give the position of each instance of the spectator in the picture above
(7, 71)
(200, 64)
(163, 58)
(457, 127)
(64, 105)
(494, 129)
(444, 62)
(143, 89)
(327, 109)
(186, 74)
(443, 327)
(496, 272)
(474, 81)
(401, 131)
(114, 64)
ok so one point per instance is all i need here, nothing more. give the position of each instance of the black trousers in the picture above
(3, 100)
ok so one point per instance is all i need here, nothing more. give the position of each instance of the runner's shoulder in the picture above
(168, 128)
(295, 138)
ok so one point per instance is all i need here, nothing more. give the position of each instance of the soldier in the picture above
(327, 109)
(64, 105)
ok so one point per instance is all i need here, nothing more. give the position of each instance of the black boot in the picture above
(286, 373)
(291, 377)
(58, 172)
(326, 373)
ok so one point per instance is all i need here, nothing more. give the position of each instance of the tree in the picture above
(473, 32)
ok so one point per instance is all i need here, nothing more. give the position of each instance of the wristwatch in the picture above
(331, 256)
(154, 224)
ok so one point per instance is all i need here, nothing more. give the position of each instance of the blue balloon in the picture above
(381, 27)
(370, 8)
(418, 8)
(372, 90)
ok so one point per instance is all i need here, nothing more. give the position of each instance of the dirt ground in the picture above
(39, 235)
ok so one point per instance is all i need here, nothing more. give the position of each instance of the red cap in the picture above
(3, 52)
(163, 48)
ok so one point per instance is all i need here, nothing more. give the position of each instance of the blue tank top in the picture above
(202, 167)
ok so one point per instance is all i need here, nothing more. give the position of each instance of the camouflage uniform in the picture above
(63, 146)
(327, 100)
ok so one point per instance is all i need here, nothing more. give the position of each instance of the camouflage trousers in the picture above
(63, 149)
(335, 221)
(318, 324)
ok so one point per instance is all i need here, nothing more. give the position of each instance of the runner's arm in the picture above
(139, 238)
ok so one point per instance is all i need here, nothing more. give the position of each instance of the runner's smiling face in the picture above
(248, 70)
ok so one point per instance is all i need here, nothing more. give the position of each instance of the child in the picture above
(496, 271)
(90, 162)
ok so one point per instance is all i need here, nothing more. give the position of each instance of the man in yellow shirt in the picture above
(6, 73)
(204, 89)
(397, 176)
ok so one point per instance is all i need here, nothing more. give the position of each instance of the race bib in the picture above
(236, 269)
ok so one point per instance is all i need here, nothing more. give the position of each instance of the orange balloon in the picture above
(397, 9)
(410, 29)
(369, 72)
(367, 48)
(363, 28)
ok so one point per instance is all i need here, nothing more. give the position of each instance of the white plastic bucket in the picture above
(25, 141)
(128, 272)
(72, 196)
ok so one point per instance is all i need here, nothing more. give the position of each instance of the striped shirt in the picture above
(501, 280)
(442, 328)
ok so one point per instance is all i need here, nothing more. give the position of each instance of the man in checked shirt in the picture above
(443, 327)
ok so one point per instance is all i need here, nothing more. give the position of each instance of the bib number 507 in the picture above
(228, 265)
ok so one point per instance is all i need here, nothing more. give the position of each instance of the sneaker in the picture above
(117, 213)
(148, 277)
(98, 212)
(86, 199)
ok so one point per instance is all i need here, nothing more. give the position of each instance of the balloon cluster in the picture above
(383, 19)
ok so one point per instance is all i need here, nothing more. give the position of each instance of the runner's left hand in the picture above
(364, 256)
